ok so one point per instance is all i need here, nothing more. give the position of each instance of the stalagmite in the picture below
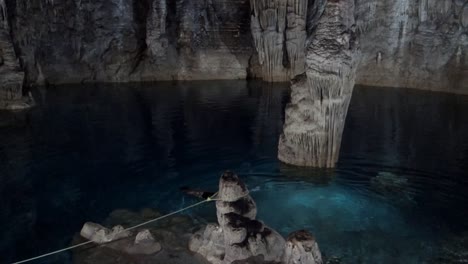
(279, 32)
(320, 97)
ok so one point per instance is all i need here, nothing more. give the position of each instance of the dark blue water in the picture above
(398, 193)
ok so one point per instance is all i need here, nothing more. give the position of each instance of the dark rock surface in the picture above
(405, 43)
(11, 74)
(420, 44)
(63, 41)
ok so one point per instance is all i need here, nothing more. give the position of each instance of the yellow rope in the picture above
(209, 199)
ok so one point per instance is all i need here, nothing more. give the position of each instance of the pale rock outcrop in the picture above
(240, 238)
(117, 239)
(279, 32)
(320, 98)
(301, 248)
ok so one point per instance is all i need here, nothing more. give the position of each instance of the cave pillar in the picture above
(320, 97)
(279, 32)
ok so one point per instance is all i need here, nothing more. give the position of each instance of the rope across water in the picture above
(209, 199)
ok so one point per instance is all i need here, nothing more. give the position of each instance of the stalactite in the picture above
(320, 98)
(278, 29)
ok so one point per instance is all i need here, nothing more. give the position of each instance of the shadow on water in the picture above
(399, 188)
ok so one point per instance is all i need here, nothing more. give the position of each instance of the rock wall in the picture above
(320, 98)
(405, 43)
(69, 41)
(419, 44)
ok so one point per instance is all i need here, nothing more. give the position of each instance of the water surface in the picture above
(398, 193)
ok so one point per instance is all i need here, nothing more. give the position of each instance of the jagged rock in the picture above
(144, 244)
(100, 235)
(231, 188)
(301, 248)
(144, 237)
(316, 114)
(238, 237)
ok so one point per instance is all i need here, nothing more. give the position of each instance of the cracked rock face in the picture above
(419, 44)
(279, 33)
(71, 41)
(320, 98)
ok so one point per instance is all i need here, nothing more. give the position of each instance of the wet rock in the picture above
(101, 235)
(301, 248)
(144, 244)
(238, 237)
(320, 97)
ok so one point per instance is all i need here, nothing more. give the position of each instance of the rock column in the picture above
(316, 114)
(279, 31)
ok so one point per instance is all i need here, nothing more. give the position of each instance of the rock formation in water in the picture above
(238, 237)
(71, 41)
(11, 74)
(320, 98)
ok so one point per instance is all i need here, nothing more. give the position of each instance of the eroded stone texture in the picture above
(69, 41)
(320, 98)
(301, 248)
(279, 33)
(420, 44)
(11, 75)
(238, 235)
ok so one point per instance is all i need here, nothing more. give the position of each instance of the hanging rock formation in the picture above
(11, 75)
(320, 98)
(239, 237)
(279, 33)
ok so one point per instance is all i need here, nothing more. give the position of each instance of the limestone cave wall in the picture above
(414, 43)
(404, 43)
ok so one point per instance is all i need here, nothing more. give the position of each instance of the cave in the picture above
(346, 119)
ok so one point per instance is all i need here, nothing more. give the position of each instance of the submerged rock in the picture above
(239, 237)
(387, 182)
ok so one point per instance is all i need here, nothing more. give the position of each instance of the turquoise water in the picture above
(398, 194)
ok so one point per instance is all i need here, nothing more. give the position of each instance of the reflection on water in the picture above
(400, 186)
